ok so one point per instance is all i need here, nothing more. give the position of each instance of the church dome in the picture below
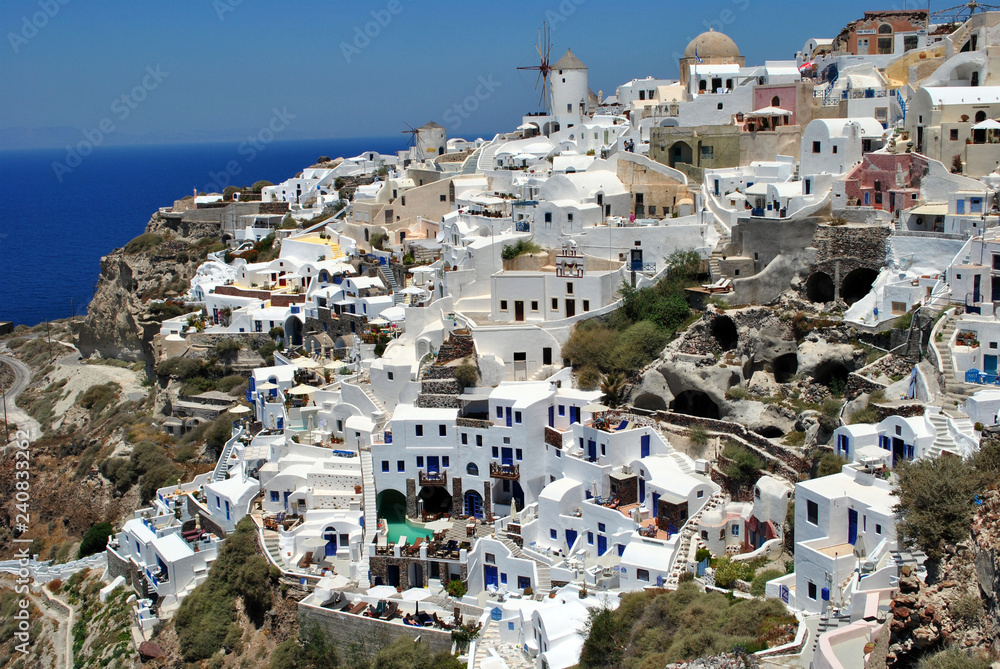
(712, 45)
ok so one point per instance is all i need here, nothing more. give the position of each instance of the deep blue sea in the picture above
(53, 233)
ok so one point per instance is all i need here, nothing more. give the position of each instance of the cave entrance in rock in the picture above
(724, 331)
(819, 287)
(770, 431)
(650, 402)
(436, 499)
(785, 367)
(857, 284)
(695, 403)
(832, 374)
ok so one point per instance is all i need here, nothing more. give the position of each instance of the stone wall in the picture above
(204, 518)
(765, 448)
(369, 632)
(118, 566)
(428, 401)
(852, 246)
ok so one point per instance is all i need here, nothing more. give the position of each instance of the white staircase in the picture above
(956, 390)
(471, 162)
(222, 466)
(487, 155)
(271, 546)
(944, 440)
(371, 515)
(544, 584)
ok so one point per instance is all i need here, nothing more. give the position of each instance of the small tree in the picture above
(613, 387)
(258, 186)
(95, 540)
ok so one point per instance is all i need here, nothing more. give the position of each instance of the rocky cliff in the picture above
(153, 267)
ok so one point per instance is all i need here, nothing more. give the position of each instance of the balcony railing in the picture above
(501, 471)
(432, 478)
(643, 266)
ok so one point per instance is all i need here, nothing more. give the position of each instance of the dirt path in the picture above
(61, 612)
(15, 416)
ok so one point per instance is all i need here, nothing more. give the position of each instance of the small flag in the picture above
(696, 56)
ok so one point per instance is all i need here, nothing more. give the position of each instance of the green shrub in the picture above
(736, 393)
(456, 588)
(758, 585)
(466, 374)
(205, 621)
(968, 608)
(954, 658)
(698, 435)
(228, 383)
(511, 251)
(180, 368)
(97, 398)
(744, 468)
(226, 347)
(588, 377)
(143, 243)
(95, 540)
(867, 414)
(220, 431)
(727, 572)
(258, 186)
(165, 310)
(830, 463)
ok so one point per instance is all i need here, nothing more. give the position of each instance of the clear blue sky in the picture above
(222, 72)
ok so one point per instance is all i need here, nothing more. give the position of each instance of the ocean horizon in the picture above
(62, 213)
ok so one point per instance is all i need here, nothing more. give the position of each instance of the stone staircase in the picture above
(544, 584)
(688, 533)
(830, 622)
(714, 266)
(458, 346)
(956, 390)
(271, 546)
(944, 441)
(390, 279)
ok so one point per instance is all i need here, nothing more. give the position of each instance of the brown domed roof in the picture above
(712, 45)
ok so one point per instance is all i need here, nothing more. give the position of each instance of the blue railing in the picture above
(975, 376)
(522, 226)
(638, 266)
(756, 211)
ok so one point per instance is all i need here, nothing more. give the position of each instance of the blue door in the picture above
(433, 463)
(656, 504)
(570, 538)
(473, 504)
(227, 510)
(990, 364)
(552, 416)
(644, 446)
(490, 576)
(285, 500)
(642, 490)
(508, 417)
(331, 543)
(574, 414)
(592, 450)
(852, 526)
(507, 455)
(602, 545)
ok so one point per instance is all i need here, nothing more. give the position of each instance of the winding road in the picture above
(16, 416)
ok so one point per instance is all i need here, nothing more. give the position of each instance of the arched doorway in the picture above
(330, 550)
(819, 287)
(293, 331)
(695, 403)
(391, 505)
(473, 504)
(680, 152)
(857, 284)
(435, 499)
